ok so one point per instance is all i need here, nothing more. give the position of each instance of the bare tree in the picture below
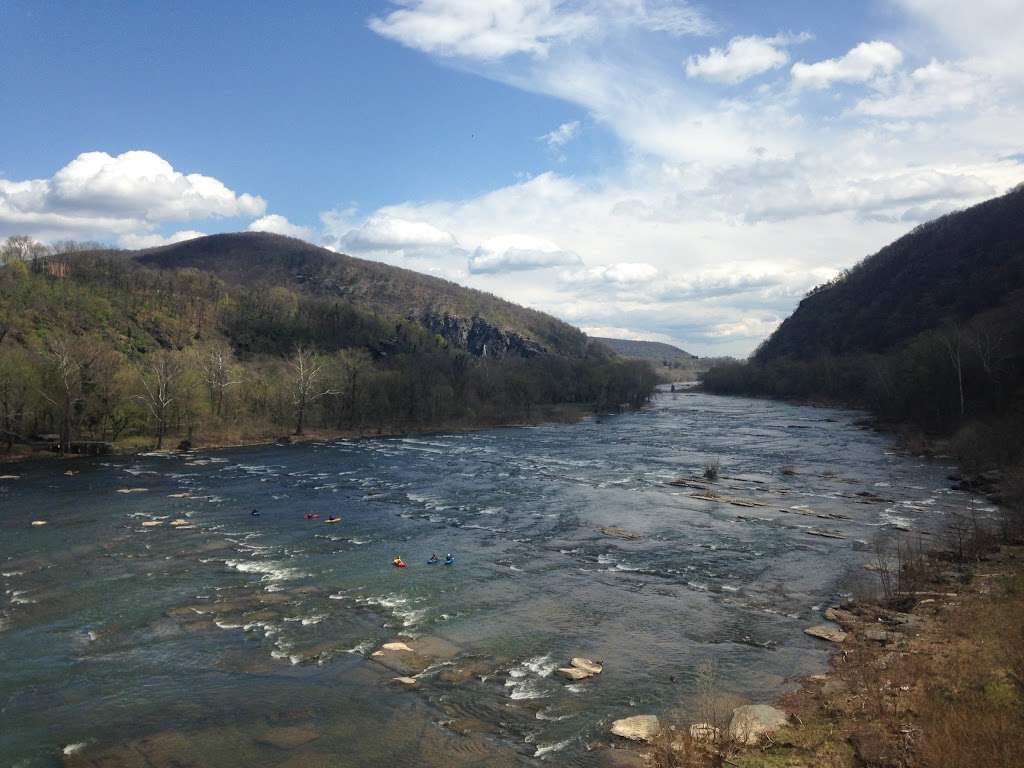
(990, 351)
(307, 373)
(219, 376)
(21, 248)
(952, 341)
(160, 379)
(65, 381)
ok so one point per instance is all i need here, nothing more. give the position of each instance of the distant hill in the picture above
(948, 270)
(655, 351)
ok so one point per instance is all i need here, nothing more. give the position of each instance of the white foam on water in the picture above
(525, 689)
(228, 625)
(543, 715)
(271, 572)
(544, 749)
(362, 648)
(11, 574)
(71, 749)
(889, 517)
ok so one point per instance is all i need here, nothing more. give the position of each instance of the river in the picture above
(154, 620)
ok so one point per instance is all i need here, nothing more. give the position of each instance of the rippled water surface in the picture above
(154, 621)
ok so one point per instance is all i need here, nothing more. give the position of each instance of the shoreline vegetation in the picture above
(245, 338)
(555, 414)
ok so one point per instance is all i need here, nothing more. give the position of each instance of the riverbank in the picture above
(224, 439)
(929, 677)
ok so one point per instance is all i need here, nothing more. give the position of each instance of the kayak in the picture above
(399, 565)
(335, 520)
(433, 562)
(450, 562)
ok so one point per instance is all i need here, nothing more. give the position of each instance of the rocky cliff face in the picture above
(480, 338)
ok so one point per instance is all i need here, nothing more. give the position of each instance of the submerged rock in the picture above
(752, 722)
(620, 533)
(637, 728)
(573, 673)
(288, 737)
(825, 632)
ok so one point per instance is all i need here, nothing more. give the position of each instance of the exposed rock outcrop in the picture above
(479, 337)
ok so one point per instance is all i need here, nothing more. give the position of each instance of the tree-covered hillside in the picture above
(214, 346)
(928, 333)
(948, 270)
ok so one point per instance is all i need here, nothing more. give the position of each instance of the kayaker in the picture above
(449, 559)
(433, 559)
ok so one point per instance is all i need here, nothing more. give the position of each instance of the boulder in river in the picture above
(580, 668)
(637, 728)
(752, 722)
(825, 632)
(593, 667)
(574, 673)
(396, 646)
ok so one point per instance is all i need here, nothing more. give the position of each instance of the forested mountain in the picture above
(928, 332)
(258, 260)
(948, 270)
(235, 337)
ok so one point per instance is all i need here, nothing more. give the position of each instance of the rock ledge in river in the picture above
(825, 632)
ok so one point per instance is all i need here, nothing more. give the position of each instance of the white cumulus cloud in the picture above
(102, 194)
(517, 253)
(861, 64)
(134, 242)
(743, 58)
(279, 225)
(483, 29)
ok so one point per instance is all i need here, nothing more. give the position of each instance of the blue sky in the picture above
(644, 168)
